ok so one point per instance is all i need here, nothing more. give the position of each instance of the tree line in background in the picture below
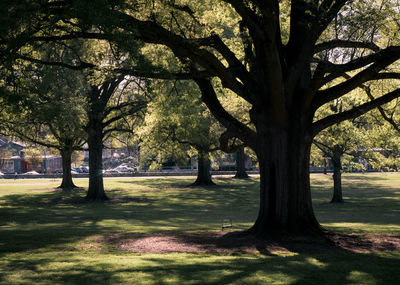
(199, 77)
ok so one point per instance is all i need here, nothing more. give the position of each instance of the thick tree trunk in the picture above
(337, 178)
(285, 195)
(67, 182)
(203, 171)
(96, 186)
(240, 164)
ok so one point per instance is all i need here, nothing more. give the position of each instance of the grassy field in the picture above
(47, 239)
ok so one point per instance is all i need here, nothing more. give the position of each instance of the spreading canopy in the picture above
(234, 41)
(285, 59)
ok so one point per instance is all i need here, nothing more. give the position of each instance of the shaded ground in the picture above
(219, 242)
(80, 200)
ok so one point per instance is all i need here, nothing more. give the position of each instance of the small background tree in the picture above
(178, 125)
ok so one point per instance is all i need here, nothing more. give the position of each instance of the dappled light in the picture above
(199, 142)
(151, 227)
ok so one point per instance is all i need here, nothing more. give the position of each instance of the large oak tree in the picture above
(285, 58)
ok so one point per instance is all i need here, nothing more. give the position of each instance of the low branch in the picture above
(345, 44)
(381, 110)
(198, 147)
(379, 76)
(192, 49)
(386, 57)
(235, 64)
(240, 130)
(359, 62)
(22, 135)
(387, 75)
(224, 143)
(323, 147)
(353, 113)
(367, 90)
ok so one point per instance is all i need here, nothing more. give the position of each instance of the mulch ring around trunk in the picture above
(219, 242)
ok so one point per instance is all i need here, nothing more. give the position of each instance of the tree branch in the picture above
(135, 108)
(249, 18)
(82, 65)
(322, 147)
(151, 32)
(162, 74)
(381, 110)
(209, 97)
(354, 112)
(107, 89)
(359, 62)
(384, 59)
(22, 135)
(345, 44)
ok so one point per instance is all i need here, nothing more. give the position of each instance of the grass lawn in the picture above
(47, 239)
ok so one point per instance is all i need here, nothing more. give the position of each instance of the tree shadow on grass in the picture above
(53, 218)
(36, 221)
(365, 203)
(300, 269)
(41, 271)
(206, 269)
(363, 177)
(162, 183)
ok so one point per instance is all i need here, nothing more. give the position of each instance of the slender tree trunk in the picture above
(203, 171)
(95, 143)
(337, 177)
(240, 164)
(285, 195)
(67, 182)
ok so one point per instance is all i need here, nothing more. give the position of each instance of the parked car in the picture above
(30, 173)
(77, 169)
(1, 173)
(111, 171)
(58, 171)
(84, 169)
(123, 168)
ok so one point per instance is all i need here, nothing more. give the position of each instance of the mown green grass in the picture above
(43, 242)
(372, 203)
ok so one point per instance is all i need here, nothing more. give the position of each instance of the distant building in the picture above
(12, 147)
(14, 159)
(21, 164)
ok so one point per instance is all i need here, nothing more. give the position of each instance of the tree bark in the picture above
(95, 143)
(337, 177)
(203, 170)
(67, 182)
(240, 164)
(285, 195)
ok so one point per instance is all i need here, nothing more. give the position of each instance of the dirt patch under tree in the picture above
(219, 242)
